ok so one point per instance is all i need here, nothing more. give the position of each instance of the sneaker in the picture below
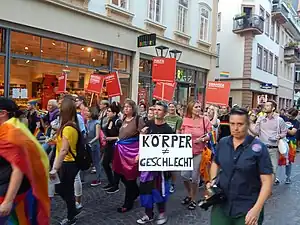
(145, 219)
(95, 183)
(288, 180)
(68, 222)
(93, 170)
(172, 188)
(107, 187)
(277, 181)
(113, 190)
(201, 184)
(78, 206)
(192, 205)
(161, 219)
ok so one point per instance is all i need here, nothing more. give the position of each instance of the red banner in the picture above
(217, 93)
(95, 84)
(113, 86)
(164, 91)
(62, 83)
(164, 70)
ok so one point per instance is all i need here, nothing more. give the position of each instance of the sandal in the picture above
(192, 205)
(186, 200)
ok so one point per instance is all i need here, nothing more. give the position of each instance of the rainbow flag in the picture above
(224, 74)
(21, 149)
(212, 141)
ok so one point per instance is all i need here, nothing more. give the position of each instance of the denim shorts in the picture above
(194, 174)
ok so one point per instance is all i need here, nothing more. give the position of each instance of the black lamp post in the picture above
(162, 51)
(174, 53)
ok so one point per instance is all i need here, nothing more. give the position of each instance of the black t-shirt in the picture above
(5, 173)
(114, 130)
(293, 124)
(159, 129)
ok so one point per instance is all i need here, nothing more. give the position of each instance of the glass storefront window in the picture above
(99, 58)
(34, 79)
(125, 85)
(78, 54)
(145, 66)
(25, 44)
(122, 62)
(53, 49)
(145, 90)
(1, 76)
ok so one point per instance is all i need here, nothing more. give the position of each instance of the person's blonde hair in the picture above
(53, 102)
(189, 109)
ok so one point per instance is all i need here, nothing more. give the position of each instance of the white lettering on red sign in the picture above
(159, 61)
(216, 85)
(61, 77)
(94, 79)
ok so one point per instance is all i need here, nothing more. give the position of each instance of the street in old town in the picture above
(100, 208)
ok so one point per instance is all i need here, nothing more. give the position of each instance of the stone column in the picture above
(135, 75)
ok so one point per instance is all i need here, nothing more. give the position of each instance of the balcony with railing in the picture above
(245, 23)
(279, 12)
(291, 53)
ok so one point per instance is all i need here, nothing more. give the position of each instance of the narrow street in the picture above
(100, 208)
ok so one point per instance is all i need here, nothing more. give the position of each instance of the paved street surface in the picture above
(100, 208)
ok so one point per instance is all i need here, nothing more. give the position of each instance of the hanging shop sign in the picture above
(95, 84)
(266, 85)
(163, 152)
(163, 69)
(164, 91)
(217, 93)
(113, 86)
(62, 83)
(146, 40)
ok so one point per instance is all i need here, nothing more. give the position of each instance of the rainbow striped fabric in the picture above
(21, 149)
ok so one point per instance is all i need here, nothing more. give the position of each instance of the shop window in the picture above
(53, 49)
(145, 89)
(99, 58)
(125, 85)
(122, 62)
(34, 79)
(145, 66)
(1, 76)
(25, 44)
(79, 54)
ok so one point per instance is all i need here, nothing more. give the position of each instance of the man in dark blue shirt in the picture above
(244, 169)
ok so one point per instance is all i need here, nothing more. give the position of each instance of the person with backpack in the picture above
(175, 122)
(112, 135)
(125, 165)
(65, 165)
(93, 142)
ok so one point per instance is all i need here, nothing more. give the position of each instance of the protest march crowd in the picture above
(234, 153)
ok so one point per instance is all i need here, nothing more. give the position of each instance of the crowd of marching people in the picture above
(235, 149)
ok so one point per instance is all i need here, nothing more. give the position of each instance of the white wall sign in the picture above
(165, 152)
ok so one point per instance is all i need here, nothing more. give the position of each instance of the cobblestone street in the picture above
(100, 208)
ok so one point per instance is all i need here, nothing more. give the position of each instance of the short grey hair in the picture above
(53, 102)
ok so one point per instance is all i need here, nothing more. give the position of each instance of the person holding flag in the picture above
(24, 169)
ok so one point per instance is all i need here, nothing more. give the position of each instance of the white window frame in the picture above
(154, 13)
(219, 21)
(267, 24)
(259, 63)
(182, 21)
(119, 4)
(218, 55)
(272, 33)
(276, 66)
(205, 36)
(265, 60)
(270, 62)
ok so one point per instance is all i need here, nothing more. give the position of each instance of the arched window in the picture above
(205, 21)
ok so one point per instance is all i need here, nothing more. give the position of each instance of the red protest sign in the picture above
(95, 84)
(62, 83)
(163, 70)
(113, 86)
(217, 93)
(164, 91)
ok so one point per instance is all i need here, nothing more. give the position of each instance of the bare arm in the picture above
(97, 134)
(265, 191)
(214, 170)
(15, 181)
(292, 132)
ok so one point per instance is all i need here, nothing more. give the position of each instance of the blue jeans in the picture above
(288, 170)
(96, 157)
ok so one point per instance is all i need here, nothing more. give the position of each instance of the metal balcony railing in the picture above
(244, 22)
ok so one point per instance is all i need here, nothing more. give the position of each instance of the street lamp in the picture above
(160, 51)
(174, 53)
